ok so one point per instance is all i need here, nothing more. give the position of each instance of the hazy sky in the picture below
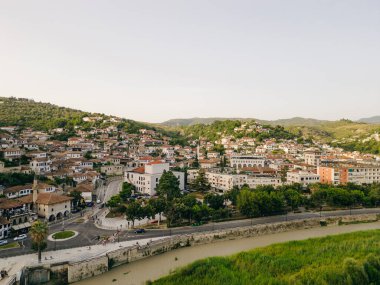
(160, 59)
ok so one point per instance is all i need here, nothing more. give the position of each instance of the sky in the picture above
(163, 59)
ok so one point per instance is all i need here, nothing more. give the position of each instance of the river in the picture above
(152, 268)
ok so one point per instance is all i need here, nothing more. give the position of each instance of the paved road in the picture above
(112, 188)
(89, 233)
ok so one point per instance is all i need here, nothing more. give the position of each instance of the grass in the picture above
(9, 245)
(63, 235)
(343, 259)
(114, 214)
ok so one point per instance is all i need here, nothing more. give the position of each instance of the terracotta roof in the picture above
(140, 170)
(26, 199)
(51, 198)
(17, 188)
(9, 204)
(155, 162)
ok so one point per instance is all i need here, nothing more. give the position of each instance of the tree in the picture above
(38, 233)
(293, 198)
(77, 198)
(195, 163)
(126, 192)
(215, 202)
(374, 194)
(233, 194)
(88, 155)
(114, 202)
(159, 207)
(168, 187)
(134, 211)
(200, 183)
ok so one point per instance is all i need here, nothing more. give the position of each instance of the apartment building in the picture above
(146, 178)
(343, 174)
(240, 161)
(312, 157)
(224, 181)
(302, 177)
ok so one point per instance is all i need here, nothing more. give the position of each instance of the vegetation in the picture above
(38, 233)
(27, 113)
(16, 178)
(344, 259)
(78, 201)
(200, 183)
(63, 235)
(9, 245)
(349, 135)
(234, 128)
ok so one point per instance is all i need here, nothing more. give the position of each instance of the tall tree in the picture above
(38, 233)
(134, 211)
(200, 183)
(168, 187)
(159, 207)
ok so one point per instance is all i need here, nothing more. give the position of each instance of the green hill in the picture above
(336, 260)
(237, 129)
(27, 113)
(349, 135)
(296, 121)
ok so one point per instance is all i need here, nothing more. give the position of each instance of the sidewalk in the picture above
(13, 265)
(120, 222)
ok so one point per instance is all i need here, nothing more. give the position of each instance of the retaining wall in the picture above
(88, 268)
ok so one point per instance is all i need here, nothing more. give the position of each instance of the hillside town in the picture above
(57, 169)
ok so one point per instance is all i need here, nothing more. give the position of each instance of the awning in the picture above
(21, 226)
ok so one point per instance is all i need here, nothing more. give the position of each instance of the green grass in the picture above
(344, 259)
(10, 245)
(63, 235)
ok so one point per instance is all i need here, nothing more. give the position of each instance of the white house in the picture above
(146, 178)
(302, 177)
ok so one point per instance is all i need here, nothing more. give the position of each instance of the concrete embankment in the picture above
(77, 271)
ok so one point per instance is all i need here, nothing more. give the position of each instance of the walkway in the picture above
(13, 265)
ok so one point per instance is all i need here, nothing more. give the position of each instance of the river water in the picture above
(152, 268)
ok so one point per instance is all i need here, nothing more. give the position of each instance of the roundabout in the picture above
(63, 235)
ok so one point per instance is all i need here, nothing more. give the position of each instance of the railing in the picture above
(12, 280)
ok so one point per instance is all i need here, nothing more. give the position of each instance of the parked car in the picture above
(21, 237)
(3, 242)
(140, 231)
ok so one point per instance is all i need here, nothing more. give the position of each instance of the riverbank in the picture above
(158, 266)
(350, 258)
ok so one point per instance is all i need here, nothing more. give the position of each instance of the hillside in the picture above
(27, 113)
(349, 135)
(344, 259)
(296, 121)
(237, 129)
(370, 120)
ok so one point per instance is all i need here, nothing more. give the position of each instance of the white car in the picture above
(3, 242)
(21, 237)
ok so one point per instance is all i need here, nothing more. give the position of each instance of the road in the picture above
(89, 233)
(105, 192)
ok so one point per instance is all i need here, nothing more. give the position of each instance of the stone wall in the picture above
(88, 268)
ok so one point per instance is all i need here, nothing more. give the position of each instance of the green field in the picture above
(63, 235)
(344, 259)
